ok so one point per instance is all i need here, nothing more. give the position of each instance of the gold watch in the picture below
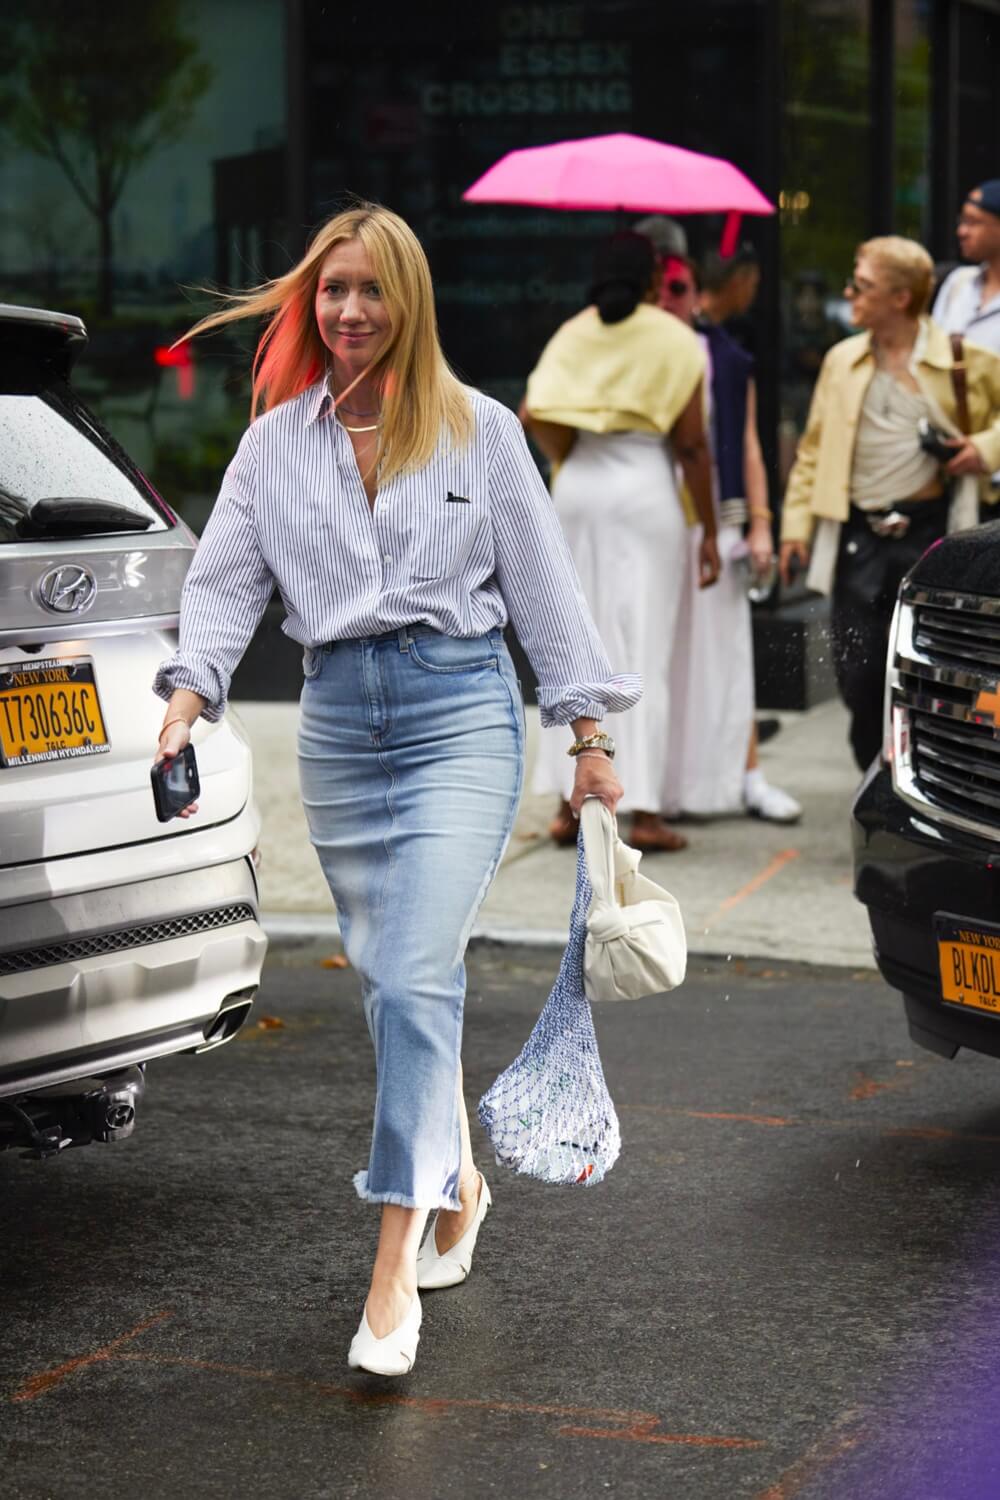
(598, 741)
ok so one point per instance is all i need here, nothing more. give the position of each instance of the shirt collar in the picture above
(976, 285)
(864, 348)
(320, 400)
(931, 347)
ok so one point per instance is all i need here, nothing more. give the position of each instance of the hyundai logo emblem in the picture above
(68, 590)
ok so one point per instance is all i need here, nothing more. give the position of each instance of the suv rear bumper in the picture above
(907, 869)
(106, 978)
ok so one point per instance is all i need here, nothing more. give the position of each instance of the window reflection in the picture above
(826, 192)
(913, 118)
(161, 169)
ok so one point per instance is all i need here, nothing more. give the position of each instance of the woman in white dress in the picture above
(712, 764)
(615, 401)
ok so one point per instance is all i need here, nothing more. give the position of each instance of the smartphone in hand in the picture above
(175, 783)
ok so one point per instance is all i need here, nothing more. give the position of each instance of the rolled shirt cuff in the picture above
(588, 700)
(798, 528)
(197, 677)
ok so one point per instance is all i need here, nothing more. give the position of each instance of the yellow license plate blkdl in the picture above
(969, 960)
(49, 710)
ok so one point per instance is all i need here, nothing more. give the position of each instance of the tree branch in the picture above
(59, 154)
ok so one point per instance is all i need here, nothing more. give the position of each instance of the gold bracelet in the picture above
(177, 719)
(592, 755)
(761, 515)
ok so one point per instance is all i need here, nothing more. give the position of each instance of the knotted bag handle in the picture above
(600, 835)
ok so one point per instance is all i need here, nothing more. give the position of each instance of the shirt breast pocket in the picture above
(445, 531)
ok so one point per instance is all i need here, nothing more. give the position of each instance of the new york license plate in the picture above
(969, 960)
(49, 710)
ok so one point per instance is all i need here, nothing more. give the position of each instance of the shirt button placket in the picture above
(382, 543)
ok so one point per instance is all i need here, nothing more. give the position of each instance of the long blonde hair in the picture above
(421, 397)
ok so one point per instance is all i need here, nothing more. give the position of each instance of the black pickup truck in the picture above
(927, 815)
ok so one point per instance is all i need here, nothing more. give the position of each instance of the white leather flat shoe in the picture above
(396, 1354)
(435, 1271)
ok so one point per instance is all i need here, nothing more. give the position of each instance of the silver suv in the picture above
(122, 939)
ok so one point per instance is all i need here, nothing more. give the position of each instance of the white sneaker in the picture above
(436, 1271)
(396, 1354)
(762, 800)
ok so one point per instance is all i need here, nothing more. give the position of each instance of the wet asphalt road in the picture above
(789, 1286)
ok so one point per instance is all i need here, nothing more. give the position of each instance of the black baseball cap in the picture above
(988, 196)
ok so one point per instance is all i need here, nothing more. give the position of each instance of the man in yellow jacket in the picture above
(899, 440)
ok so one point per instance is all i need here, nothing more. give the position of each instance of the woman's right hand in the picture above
(594, 776)
(172, 742)
(709, 563)
(793, 559)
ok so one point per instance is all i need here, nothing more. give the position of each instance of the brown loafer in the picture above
(657, 838)
(564, 827)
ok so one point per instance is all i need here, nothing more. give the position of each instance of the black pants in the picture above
(869, 571)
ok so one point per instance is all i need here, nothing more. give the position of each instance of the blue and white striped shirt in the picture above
(960, 308)
(461, 545)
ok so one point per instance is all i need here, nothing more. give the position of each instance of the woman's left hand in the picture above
(761, 544)
(595, 777)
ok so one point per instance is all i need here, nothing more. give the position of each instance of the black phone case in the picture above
(167, 802)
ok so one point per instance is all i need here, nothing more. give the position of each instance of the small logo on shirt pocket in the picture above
(458, 499)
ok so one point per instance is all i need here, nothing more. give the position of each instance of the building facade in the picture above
(854, 116)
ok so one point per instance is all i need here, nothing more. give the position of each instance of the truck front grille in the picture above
(953, 634)
(45, 954)
(944, 687)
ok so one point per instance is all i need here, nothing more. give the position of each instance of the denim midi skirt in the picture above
(411, 752)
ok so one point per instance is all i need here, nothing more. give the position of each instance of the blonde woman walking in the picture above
(403, 522)
(865, 499)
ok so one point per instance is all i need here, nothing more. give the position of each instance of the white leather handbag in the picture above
(635, 934)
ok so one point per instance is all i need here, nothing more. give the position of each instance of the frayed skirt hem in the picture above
(402, 1200)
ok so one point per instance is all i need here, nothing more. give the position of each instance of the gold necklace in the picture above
(359, 429)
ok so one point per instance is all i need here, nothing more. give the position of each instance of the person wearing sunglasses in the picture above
(900, 437)
(712, 764)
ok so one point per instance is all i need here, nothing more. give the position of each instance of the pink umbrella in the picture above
(623, 172)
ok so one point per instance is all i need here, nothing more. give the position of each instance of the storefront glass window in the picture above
(412, 114)
(912, 92)
(825, 192)
(141, 157)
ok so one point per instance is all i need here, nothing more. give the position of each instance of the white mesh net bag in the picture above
(549, 1115)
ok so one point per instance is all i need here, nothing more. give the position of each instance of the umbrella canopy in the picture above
(619, 171)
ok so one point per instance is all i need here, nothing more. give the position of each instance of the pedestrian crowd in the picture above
(665, 506)
(665, 509)
(403, 521)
